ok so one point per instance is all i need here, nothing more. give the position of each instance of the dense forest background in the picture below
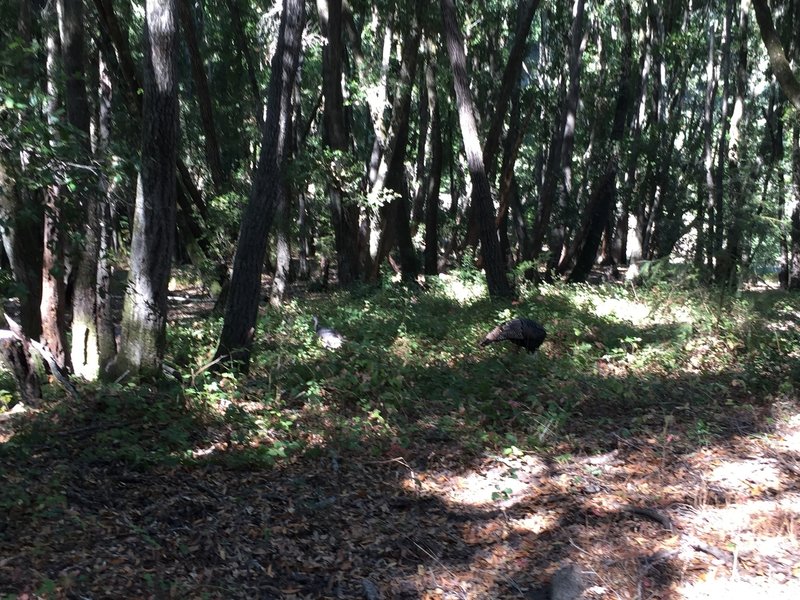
(249, 249)
(350, 141)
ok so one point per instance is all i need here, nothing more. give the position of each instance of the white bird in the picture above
(330, 338)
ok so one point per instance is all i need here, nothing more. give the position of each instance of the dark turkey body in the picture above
(525, 333)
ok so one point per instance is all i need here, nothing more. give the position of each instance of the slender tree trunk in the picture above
(423, 150)
(511, 73)
(269, 185)
(53, 304)
(708, 151)
(243, 48)
(731, 256)
(204, 103)
(600, 205)
(107, 344)
(578, 39)
(144, 314)
(84, 350)
(794, 220)
(547, 192)
(391, 171)
(434, 173)
(722, 145)
(496, 270)
(344, 213)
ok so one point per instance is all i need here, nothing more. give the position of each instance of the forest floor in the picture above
(661, 462)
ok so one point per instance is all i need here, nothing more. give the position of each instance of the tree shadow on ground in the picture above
(146, 493)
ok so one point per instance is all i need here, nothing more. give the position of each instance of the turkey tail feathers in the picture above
(525, 333)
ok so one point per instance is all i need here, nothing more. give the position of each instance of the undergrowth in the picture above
(670, 361)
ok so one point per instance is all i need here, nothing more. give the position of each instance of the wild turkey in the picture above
(330, 338)
(522, 332)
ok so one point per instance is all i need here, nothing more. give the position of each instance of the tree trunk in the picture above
(496, 273)
(777, 58)
(21, 210)
(243, 48)
(794, 227)
(269, 185)
(84, 350)
(423, 149)
(106, 340)
(722, 147)
(708, 152)
(600, 205)
(578, 39)
(434, 173)
(144, 315)
(344, 213)
(282, 250)
(53, 305)
(511, 73)
(391, 171)
(204, 103)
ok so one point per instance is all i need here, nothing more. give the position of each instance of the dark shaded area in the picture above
(175, 497)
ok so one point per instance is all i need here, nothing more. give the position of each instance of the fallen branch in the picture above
(15, 329)
(717, 553)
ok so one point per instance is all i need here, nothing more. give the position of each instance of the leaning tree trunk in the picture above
(496, 273)
(269, 186)
(511, 73)
(777, 58)
(144, 315)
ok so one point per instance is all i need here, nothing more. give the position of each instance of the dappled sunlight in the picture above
(741, 475)
(623, 309)
(461, 290)
(498, 483)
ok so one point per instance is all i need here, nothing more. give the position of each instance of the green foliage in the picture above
(619, 358)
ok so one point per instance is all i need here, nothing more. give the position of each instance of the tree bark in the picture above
(84, 350)
(511, 73)
(794, 220)
(344, 213)
(200, 80)
(600, 205)
(106, 340)
(496, 273)
(144, 315)
(243, 47)
(269, 186)
(434, 173)
(578, 39)
(777, 58)
(53, 304)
